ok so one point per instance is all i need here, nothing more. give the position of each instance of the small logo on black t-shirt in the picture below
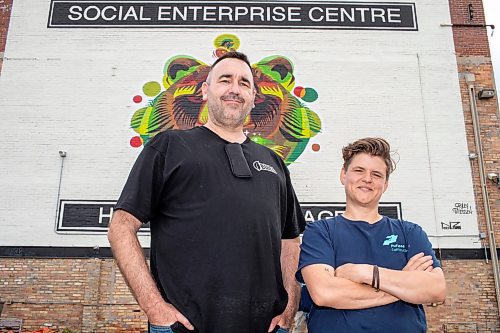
(259, 166)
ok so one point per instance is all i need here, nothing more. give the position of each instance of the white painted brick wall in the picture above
(71, 89)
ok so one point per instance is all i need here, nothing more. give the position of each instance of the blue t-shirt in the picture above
(388, 243)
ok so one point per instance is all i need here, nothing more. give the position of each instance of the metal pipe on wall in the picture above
(62, 154)
(484, 192)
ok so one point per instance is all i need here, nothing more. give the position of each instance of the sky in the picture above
(492, 13)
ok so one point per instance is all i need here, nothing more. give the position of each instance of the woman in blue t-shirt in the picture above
(366, 272)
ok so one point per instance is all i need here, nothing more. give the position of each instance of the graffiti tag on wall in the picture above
(462, 208)
(456, 225)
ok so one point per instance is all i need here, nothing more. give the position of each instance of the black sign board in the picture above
(324, 210)
(233, 14)
(86, 216)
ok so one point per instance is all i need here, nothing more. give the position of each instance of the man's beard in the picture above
(226, 118)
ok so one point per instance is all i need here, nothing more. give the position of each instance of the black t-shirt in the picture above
(215, 237)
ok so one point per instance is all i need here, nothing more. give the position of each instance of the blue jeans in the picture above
(281, 330)
(160, 329)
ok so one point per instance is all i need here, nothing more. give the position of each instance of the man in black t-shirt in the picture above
(224, 221)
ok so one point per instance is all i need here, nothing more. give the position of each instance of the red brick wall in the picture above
(5, 9)
(471, 299)
(89, 295)
(473, 57)
(85, 295)
(469, 41)
(475, 300)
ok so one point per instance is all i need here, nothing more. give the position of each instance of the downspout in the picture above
(484, 192)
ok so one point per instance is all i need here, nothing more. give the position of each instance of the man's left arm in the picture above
(294, 224)
(290, 249)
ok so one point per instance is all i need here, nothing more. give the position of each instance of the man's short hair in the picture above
(233, 55)
(371, 146)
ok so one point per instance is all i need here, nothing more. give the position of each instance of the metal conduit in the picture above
(484, 192)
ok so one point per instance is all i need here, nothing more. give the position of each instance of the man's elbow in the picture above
(112, 233)
(291, 245)
(117, 228)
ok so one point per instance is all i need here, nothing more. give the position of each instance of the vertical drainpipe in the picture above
(484, 192)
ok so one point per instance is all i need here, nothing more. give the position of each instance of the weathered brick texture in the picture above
(90, 295)
(470, 301)
(477, 303)
(5, 9)
(473, 57)
(85, 295)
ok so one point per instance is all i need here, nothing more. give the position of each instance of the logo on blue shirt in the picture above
(395, 247)
(390, 239)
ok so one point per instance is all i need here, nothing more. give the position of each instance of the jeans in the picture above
(160, 329)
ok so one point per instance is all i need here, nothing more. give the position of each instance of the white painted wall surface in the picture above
(71, 89)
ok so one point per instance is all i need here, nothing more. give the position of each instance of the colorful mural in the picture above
(279, 120)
